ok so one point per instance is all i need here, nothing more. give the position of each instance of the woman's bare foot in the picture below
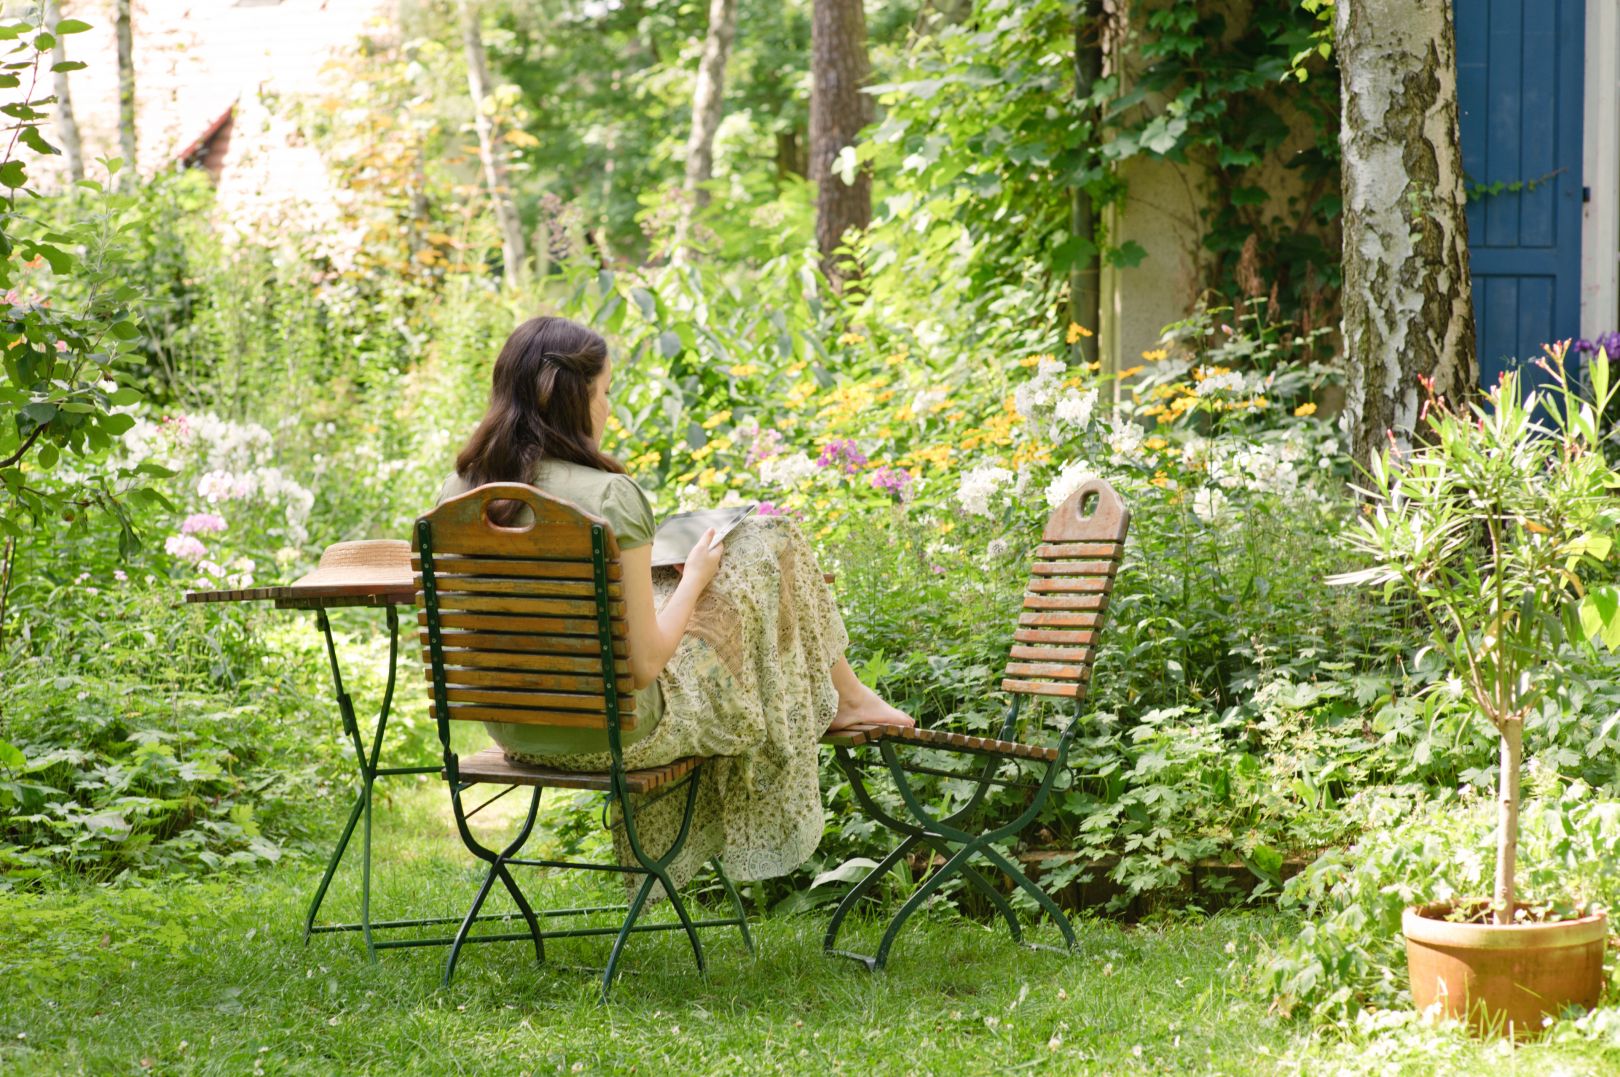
(872, 710)
(859, 705)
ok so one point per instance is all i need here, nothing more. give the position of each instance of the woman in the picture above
(737, 655)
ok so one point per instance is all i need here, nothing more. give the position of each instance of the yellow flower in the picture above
(1160, 479)
(744, 370)
(1076, 331)
(1156, 355)
(955, 416)
(851, 338)
(821, 503)
(1029, 360)
(1131, 373)
(1094, 367)
(905, 414)
(1307, 408)
(716, 419)
(1155, 442)
(708, 476)
(794, 368)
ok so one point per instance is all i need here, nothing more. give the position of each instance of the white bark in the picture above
(125, 33)
(67, 127)
(489, 152)
(708, 96)
(1408, 307)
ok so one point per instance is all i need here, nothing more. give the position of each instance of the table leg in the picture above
(367, 758)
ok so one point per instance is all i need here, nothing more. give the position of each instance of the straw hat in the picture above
(363, 567)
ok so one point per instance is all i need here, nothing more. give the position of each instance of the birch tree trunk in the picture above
(708, 96)
(125, 33)
(489, 152)
(67, 127)
(838, 111)
(1408, 303)
(1085, 277)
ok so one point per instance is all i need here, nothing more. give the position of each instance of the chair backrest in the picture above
(522, 624)
(1067, 598)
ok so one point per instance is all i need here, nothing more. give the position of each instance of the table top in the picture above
(369, 573)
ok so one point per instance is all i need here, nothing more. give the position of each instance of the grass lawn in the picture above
(212, 976)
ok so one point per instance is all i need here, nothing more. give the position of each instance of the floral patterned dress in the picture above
(749, 688)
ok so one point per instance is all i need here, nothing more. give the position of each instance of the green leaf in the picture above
(48, 455)
(669, 344)
(71, 26)
(1600, 616)
(35, 415)
(11, 757)
(60, 261)
(124, 330)
(70, 65)
(12, 174)
(36, 141)
(123, 397)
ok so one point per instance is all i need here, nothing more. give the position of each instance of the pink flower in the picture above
(202, 523)
(120, 575)
(185, 547)
(767, 508)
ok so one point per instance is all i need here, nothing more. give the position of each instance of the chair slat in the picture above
(1066, 670)
(451, 588)
(577, 693)
(480, 712)
(565, 607)
(515, 566)
(520, 661)
(1048, 635)
(514, 697)
(490, 765)
(1042, 688)
(1053, 654)
(578, 683)
(540, 626)
(1106, 551)
(1074, 568)
(1033, 619)
(1065, 602)
(1072, 585)
(524, 642)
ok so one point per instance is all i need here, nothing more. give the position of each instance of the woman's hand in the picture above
(703, 562)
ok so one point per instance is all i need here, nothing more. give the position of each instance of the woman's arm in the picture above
(654, 633)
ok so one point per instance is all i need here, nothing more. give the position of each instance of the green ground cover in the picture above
(209, 976)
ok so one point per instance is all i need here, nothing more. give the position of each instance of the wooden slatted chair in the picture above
(526, 624)
(1052, 654)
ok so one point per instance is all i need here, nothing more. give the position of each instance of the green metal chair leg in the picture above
(984, 887)
(467, 922)
(914, 902)
(829, 942)
(736, 903)
(686, 921)
(624, 933)
(528, 913)
(1041, 898)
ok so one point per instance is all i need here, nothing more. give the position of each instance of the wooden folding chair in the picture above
(526, 624)
(1052, 654)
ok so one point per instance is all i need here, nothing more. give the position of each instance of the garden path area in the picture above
(209, 976)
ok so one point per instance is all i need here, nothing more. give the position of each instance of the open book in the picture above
(679, 533)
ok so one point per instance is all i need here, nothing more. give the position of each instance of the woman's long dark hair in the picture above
(539, 405)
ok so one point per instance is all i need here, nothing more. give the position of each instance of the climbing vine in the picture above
(988, 122)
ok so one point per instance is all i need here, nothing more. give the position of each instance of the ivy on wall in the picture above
(987, 121)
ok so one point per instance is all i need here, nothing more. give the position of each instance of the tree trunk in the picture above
(838, 111)
(1408, 303)
(489, 153)
(67, 128)
(707, 98)
(1085, 276)
(126, 90)
(1507, 820)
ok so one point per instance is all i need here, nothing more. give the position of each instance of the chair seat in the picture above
(491, 765)
(855, 736)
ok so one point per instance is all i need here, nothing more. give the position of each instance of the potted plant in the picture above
(1496, 526)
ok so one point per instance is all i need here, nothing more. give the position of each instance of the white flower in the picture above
(1230, 382)
(978, 485)
(1076, 407)
(1208, 503)
(928, 400)
(1071, 478)
(1048, 366)
(786, 470)
(1125, 439)
(998, 548)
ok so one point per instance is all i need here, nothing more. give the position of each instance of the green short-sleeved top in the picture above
(620, 501)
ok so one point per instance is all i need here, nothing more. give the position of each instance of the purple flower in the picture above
(767, 508)
(185, 547)
(1608, 343)
(766, 445)
(842, 454)
(894, 480)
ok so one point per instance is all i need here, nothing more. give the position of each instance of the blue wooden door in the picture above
(1520, 69)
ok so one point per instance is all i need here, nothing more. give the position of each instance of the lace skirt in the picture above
(750, 688)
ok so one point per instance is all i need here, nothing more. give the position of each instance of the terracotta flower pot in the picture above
(1506, 977)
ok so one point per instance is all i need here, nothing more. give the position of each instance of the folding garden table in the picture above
(375, 574)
